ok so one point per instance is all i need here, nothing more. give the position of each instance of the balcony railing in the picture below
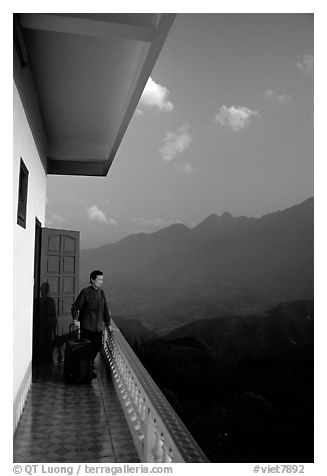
(159, 434)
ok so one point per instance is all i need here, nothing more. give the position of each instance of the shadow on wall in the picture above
(45, 332)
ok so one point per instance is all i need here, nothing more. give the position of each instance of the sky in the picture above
(225, 123)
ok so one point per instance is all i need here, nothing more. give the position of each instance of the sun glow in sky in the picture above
(225, 123)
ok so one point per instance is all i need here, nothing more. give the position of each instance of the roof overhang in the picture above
(89, 72)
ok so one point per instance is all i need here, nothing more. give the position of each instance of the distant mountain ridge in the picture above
(134, 331)
(224, 265)
(286, 329)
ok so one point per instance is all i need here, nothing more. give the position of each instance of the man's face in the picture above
(97, 282)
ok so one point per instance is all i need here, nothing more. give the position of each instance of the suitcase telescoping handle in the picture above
(72, 329)
(75, 314)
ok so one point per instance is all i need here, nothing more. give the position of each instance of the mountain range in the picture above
(224, 266)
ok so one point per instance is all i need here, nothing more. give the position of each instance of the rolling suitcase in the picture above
(78, 364)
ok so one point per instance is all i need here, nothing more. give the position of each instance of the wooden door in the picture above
(59, 280)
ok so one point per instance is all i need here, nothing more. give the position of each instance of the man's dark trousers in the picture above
(95, 338)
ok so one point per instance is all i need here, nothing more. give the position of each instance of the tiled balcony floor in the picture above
(73, 423)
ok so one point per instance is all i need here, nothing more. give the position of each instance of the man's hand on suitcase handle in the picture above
(77, 323)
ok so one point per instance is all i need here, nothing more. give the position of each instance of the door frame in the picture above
(36, 287)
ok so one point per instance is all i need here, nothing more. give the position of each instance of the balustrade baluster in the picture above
(133, 416)
(136, 399)
(143, 411)
(140, 435)
(157, 449)
(120, 367)
(136, 396)
(128, 377)
(139, 412)
(166, 454)
(125, 394)
(127, 401)
(124, 374)
(122, 391)
(130, 383)
(133, 390)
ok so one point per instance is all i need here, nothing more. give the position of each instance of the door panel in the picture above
(58, 285)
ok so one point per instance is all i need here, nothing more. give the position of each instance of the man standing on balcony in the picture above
(91, 313)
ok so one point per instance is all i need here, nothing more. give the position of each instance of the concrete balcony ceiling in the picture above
(89, 72)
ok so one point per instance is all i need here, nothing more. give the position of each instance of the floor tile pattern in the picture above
(72, 423)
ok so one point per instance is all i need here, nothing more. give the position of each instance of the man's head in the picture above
(96, 278)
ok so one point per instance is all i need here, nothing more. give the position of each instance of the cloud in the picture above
(112, 222)
(58, 218)
(281, 98)
(95, 214)
(155, 96)
(306, 65)
(175, 143)
(55, 218)
(185, 168)
(236, 117)
(148, 222)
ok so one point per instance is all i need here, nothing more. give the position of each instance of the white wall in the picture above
(23, 241)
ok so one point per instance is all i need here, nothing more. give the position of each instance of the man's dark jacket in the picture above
(93, 310)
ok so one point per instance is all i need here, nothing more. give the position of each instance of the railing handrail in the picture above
(182, 438)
